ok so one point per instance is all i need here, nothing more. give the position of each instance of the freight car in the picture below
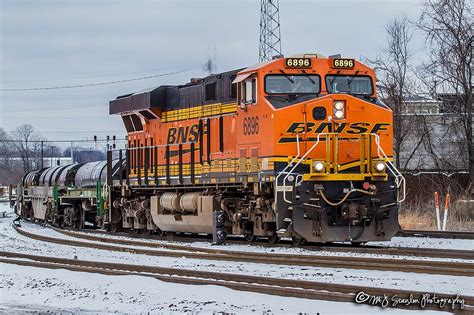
(296, 147)
(68, 195)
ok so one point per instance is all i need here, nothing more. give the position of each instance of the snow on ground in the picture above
(255, 247)
(11, 241)
(31, 290)
(81, 291)
(46, 231)
(413, 242)
(37, 229)
(426, 242)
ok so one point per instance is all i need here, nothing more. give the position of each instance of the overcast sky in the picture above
(57, 43)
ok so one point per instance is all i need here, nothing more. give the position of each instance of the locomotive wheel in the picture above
(250, 238)
(114, 228)
(79, 218)
(170, 236)
(298, 240)
(78, 224)
(273, 238)
(31, 213)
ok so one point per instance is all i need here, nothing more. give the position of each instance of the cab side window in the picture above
(248, 91)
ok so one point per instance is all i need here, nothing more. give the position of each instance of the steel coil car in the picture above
(67, 175)
(90, 174)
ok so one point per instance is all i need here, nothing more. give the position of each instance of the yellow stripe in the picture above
(199, 111)
(232, 165)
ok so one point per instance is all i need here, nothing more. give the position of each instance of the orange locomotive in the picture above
(296, 147)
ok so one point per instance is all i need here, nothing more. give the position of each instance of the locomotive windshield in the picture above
(357, 85)
(292, 84)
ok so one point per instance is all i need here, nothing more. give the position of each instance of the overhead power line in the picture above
(63, 118)
(63, 141)
(85, 78)
(77, 132)
(53, 96)
(62, 108)
(94, 84)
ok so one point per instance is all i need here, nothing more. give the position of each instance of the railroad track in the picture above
(266, 285)
(437, 234)
(341, 248)
(403, 265)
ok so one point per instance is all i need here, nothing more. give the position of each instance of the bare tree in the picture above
(4, 146)
(7, 169)
(5, 152)
(38, 150)
(23, 136)
(448, 27)
(394, 69)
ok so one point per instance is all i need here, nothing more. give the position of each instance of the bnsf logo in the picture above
(354, 128)
(183, 134)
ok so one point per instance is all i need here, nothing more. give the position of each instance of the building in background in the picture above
(435, 141)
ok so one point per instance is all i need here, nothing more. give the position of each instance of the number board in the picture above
(298, 62)
(343, 63)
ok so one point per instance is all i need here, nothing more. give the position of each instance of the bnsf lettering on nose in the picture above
(183, 134)
(354, 128)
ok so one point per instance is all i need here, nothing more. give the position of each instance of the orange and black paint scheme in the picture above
(296, 147)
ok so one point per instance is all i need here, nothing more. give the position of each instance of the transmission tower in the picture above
(270, 42)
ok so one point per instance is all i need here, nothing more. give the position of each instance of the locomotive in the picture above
(298, 147)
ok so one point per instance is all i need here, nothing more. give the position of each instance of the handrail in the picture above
(298, 163)
(399, 179)
(287, 166)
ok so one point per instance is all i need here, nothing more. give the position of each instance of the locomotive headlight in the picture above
(339, 114)
(379, 167)
(339, 109)
(339, 105)
(318, 166)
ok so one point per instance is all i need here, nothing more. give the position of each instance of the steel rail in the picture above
(380, 250)
(249, 283)
(437, 234)
(416, 266)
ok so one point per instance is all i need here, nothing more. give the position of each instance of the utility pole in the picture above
(72, 154)
(27, 153)
(270, 36)
(42, 155)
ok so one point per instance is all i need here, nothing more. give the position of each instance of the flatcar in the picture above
(298, 147)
